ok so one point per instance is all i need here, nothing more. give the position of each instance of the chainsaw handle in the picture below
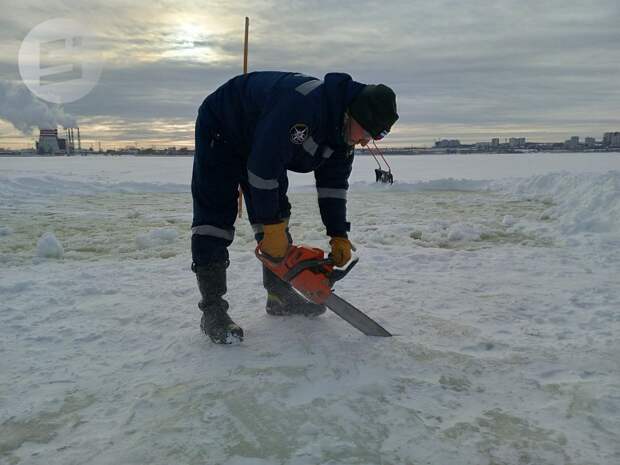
(288, 267)
(338, 273)
(266, 258)
(299, 267)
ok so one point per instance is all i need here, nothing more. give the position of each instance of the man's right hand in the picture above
(275, 241)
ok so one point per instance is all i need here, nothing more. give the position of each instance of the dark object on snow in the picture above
(215, 321)
(307, 270)
(282, 300)
(381, 175)
(384, 176)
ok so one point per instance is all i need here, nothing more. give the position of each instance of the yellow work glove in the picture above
(275, 241)
(341, 250)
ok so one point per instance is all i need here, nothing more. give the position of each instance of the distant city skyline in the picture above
(470, 70)
(57, 141)
(23, 143)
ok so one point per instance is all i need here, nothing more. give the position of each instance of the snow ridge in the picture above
(581, 203)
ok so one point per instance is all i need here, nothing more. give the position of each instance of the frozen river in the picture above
(497, 273)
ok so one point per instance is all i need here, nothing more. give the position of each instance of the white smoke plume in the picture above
(21, 108)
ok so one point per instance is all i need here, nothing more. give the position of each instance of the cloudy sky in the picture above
(477, 69)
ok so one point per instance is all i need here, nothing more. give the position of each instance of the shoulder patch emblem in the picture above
(299, 133)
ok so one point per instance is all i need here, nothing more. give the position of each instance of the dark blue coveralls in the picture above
(249, 132)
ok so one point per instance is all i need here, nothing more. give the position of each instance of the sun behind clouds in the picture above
(197, 38)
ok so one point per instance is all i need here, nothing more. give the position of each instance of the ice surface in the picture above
(498, 275)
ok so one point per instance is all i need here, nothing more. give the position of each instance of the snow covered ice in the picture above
(156, 237)
(498, 274)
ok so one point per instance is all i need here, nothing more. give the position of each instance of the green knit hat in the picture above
(374, 108)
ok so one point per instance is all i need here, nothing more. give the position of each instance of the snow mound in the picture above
(463, 232)
(442, 232)
(156, 237)
(579, 203)
(583, 203)
(508, 221)
(49, 247)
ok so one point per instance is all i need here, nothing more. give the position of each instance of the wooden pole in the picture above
(245, 46)
(245, 71)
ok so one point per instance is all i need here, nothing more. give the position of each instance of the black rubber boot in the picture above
(282, 300)
(215, 321)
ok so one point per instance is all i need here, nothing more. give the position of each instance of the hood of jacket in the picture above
(339, 90)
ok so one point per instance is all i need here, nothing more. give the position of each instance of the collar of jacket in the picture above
(339, 90)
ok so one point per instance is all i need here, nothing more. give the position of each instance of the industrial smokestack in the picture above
(26, 112)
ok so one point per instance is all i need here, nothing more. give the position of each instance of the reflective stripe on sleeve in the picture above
(308, 86)
(310, 146)
(261, 183)
(208, 230)
(327, 193)
(327, 152)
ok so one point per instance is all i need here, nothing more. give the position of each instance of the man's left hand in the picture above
(341, 250)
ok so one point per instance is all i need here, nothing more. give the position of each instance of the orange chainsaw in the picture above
(313, 276)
